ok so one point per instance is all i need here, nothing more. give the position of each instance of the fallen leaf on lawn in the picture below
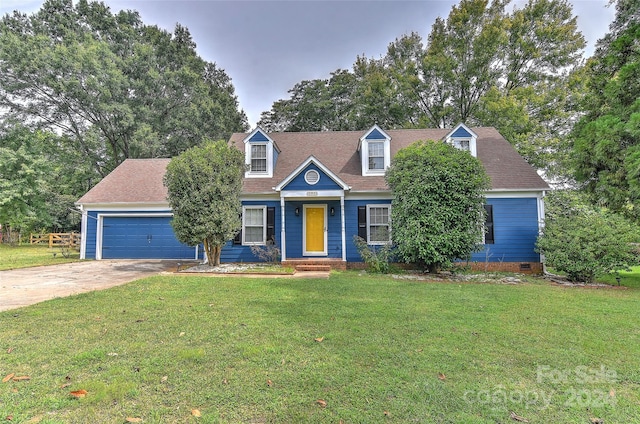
(112, 354)
(319, 339)
(10, 350)
(612, 393)
(181, 334)
(164, 378)
(133, 420)
(441, 376)
(597, 421)
(8, 377)
(322, 403)
(517, 417)
(9, 417)
(386, 413)
(224, 381)
(21, 378)
(269, 383)
(196, 413)
(79, 393)
(65, 385)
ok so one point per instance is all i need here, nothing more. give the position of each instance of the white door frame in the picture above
(304, 229)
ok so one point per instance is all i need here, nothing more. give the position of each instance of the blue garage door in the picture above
(142, 238)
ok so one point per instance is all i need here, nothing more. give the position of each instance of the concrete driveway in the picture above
(26, 286)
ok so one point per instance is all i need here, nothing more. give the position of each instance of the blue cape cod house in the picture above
(310, 193)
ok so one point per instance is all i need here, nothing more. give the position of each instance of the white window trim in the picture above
(378, 243)
(365, 157)
(264, 226)
(259, 174)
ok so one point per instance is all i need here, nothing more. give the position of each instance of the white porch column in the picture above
(283, 238)
(344, 230)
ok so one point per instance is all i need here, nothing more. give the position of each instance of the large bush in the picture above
(437, 214)
(584, 241)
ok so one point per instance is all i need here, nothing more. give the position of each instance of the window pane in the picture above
(379, 215)
(259, 158)
(379, 233)
(253, 217)
(376, 155)
(376, 163)
(253, 235)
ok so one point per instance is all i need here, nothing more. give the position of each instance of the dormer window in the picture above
(258, 158)
(461, 144)
(375, 151)
(463, 138)
(261, 154)
(376, 156)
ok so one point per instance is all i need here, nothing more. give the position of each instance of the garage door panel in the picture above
(142, 238)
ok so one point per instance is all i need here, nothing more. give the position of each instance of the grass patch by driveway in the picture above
(23, 256)
(245, 350)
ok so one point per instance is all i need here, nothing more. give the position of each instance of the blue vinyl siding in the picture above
(515, 224)
(375, 135)
(325, 182)
(258, 137)
(351, 224)
(239, 253)
(461, 133)
(294, 228)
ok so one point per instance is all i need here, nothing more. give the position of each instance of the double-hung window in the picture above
(374, 223)
(258, 158)
(254, 225)
(376, 156)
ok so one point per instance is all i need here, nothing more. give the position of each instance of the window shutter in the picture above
(362, 222)
(238, 238)
(488, 225)
(271, 224)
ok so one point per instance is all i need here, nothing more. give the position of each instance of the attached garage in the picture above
(140, 237)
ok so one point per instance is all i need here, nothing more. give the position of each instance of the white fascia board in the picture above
(312, 159)
(126, 206)
(529, 193)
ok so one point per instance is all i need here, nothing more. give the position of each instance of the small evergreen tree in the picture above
(204, 186)
(437, 214)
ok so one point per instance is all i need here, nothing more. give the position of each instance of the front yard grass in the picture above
(28, 255)
(352, 348)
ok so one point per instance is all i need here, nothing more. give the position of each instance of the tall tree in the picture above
(114, 86)
(204, 185)
(482, 66)
(606, 140)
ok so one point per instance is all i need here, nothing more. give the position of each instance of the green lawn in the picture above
(243, 350)
(27, 255)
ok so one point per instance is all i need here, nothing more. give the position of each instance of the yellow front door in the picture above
(314, 230)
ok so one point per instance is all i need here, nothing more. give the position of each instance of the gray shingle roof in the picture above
(140, 180)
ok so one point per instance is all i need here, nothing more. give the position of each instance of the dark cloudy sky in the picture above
(268, 46)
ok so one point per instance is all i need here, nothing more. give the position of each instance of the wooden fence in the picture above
(56, 239)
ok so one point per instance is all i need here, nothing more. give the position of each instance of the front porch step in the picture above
(313, 268)
(321, 264)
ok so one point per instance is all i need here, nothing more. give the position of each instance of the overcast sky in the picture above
(268, 46)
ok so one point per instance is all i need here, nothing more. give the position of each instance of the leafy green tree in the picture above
(204, 185)
(437, 212)
(518, 72)
(23, 179)
(606, 141)
(114, 87)
(585, 241)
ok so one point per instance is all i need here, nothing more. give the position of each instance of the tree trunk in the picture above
(213, 252)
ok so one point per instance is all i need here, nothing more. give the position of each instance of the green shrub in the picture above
(377, 258)
(584, 241)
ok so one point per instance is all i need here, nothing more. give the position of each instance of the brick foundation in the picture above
(534, 268)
